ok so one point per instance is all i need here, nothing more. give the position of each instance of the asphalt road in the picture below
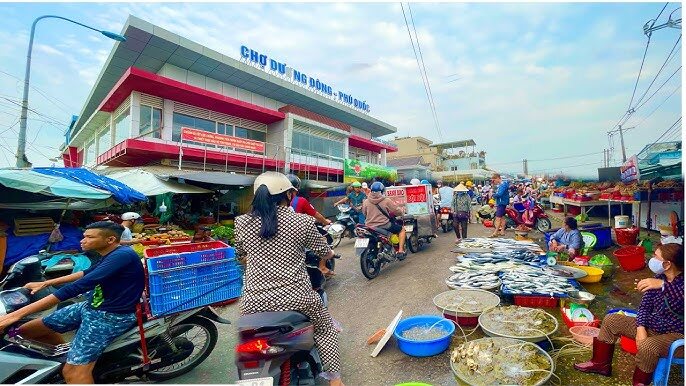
(363, 306)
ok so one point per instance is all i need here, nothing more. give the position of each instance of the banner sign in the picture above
(195, 135)
(629, 170)
(354, 170)
(415, 198)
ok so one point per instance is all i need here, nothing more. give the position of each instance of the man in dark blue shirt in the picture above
(114, 287)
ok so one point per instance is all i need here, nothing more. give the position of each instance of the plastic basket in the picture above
(570, 323)
(584, 334)
(164, 261)
(180, 289)
(535, 301)
(176, 249)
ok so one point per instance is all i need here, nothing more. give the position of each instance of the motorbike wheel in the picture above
(413, 243)
(370, 270)
(543, 225)
(203, 335)
(336, 241)
(445, 227)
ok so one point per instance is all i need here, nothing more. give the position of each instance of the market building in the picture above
(162, 100)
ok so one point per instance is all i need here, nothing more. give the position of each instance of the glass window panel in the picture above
(104, 141)
(122, 127)
(241, 132)
(157, 123)
(181, 120)
(204, 124)
(145, 123)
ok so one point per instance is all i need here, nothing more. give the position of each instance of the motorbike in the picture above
(517, 214)
(376, 248)
(344, 225)
(414, 241)
(176, 345)
(317, 278)
(278, 346)
(446, 216)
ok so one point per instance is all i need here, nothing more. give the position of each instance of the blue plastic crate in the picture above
(185, 288)
(177, 260)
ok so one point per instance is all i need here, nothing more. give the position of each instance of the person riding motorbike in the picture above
(414, 181)
(274, 238)
(380, 210)
(302, 205)
(355, 199)
(114, 284)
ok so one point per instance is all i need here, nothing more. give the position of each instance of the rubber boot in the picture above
(601, 362)
(642, 379)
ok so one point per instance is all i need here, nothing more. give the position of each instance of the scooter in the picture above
(176, 344)
(414, 241)
(446, 219)
(344, 225)
(376, 248)
(517, 214)
(278, 346)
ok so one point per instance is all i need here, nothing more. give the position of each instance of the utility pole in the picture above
(526, 167)
(621, 139)
(604, 158)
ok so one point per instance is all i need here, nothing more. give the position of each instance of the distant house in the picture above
(411, 167)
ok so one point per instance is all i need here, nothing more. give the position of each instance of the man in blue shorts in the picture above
(502, 200)
(115, 283)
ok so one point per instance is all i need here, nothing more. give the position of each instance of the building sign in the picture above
(629, 170)
(195, 135)
(415, 198)
(313, 83)
(354, 170)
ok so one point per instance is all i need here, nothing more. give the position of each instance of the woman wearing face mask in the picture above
(660, 319)
(274, 238)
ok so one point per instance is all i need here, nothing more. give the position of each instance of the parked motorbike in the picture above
(317, 278)
(176, 345)
(517, 214)
(446, 216)
(414, 241)
(376, 249)
(344, 225)
(278, 346)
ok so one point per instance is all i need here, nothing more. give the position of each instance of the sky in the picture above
(537, 81)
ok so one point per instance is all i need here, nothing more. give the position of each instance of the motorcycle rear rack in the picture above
(45, 349)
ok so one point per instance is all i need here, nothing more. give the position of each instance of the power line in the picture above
(659, 88)
(50, 99)
(426, 74)
(426, 90)
(678, 87)
(639, 73)
(669, 57)
(666, 131)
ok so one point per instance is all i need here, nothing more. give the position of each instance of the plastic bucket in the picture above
(621, 222)
(626, 236)
(631, 258)
(424, 348)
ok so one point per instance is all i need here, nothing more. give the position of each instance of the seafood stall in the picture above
(417, 201)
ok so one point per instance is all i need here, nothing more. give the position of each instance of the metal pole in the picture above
(21, 143)
(621, 138)
(226, 165)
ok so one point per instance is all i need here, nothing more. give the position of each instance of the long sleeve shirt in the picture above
(118, 280)
(502, 194)
(571, 239)
(461, 203)
(662, 310)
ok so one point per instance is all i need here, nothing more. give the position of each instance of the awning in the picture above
(31, 181)
(218, 178)
(120, 192)
(150, 185)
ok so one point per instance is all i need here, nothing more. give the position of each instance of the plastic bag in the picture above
(56, 235)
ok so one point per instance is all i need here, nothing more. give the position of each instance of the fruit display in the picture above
(167, 237)
(589, 191)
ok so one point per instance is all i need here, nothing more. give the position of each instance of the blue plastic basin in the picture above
(424, 348)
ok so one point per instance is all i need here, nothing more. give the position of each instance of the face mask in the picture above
(655, 265)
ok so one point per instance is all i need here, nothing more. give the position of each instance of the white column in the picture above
(288, 142)
(167, 119)
(383, 157)
(135, 114)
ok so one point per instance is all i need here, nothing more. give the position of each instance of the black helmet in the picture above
(295, 180)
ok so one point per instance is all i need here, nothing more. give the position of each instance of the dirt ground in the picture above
(363, 306)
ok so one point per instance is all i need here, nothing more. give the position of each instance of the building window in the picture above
(182, 120)
(318, 145)
(150, 122)
(122, 127)
(89, 154)
(255, 135)
(104, 141)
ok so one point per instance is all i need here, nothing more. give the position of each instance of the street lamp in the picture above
(21, 145)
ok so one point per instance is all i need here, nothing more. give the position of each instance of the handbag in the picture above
(461, 215)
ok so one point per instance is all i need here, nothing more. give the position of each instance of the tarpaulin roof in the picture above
(150, 185)
(122, 193)
(44, 184)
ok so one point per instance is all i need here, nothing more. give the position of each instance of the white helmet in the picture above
(364, 185)
(130, 216)
(275, 182)
(415, 181)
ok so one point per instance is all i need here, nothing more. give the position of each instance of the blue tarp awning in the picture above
(123, 194)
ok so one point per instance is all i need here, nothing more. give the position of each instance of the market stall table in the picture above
(621, 207)
(587, 206)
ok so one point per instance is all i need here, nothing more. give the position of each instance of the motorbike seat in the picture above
(380, 231)
(252, 322)
(519, 207)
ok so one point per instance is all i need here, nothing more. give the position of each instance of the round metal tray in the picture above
(492, 300)
(529, 338)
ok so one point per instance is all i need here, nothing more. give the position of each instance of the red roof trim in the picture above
(368, 144)
(135, 79)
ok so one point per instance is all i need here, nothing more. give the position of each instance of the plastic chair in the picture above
(661, 374)
(589, 241)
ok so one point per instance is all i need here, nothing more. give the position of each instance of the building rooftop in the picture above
(454, 144)
(419, 139)
(149, 47)
(406, 162)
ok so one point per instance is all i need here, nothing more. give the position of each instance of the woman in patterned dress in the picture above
(274, 238)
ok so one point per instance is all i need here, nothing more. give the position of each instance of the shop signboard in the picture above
(195, 135)
(415, 198)
(629, 170)
(354, 170)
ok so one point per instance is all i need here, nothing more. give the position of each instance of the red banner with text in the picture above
(195, 135)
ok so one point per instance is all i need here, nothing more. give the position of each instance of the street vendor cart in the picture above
(419, 220)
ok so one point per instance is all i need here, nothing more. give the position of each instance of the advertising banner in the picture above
(354, 170)
(415, 198)
(629, 170)
(194, 135)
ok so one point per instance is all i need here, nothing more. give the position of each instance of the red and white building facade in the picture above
(156, 83)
